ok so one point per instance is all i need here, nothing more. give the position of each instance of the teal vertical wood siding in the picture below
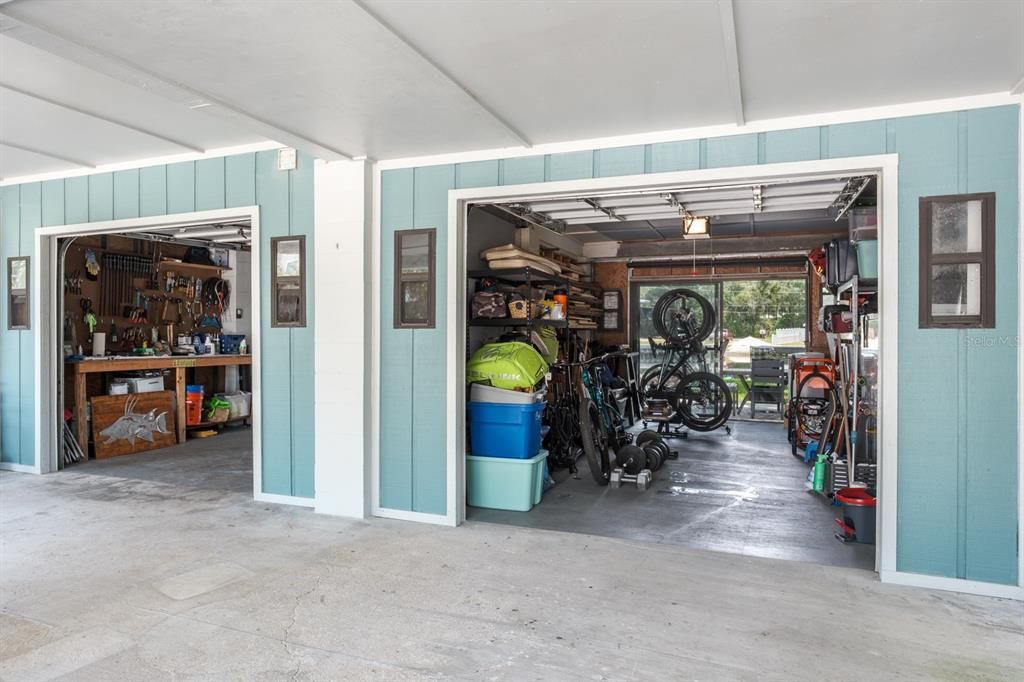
(957, 430)
(286, 208)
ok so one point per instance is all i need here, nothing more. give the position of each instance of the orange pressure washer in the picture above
(811, 390)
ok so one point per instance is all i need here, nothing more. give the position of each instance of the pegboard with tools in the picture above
(135, 291)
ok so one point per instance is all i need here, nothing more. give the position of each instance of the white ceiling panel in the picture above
(16, 162)
(67, 133)
(327, 69)
(568, 70)
(398, 78)
(812, 56)
(59, 80)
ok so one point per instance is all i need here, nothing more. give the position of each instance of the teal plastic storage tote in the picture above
(867, 260)
(503, 483)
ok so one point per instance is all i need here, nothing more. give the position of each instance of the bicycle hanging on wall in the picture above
(682, 391)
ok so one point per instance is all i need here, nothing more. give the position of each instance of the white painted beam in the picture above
(50, 40)
(49, 155)
(103, 117)
(1018, 88)
(732, 57)
(491, 113)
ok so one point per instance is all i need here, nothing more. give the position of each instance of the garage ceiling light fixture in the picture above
(696, 227)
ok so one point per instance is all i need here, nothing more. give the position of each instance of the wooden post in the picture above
(81, 412)
(179, 399)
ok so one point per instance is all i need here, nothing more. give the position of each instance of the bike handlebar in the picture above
(592, 361)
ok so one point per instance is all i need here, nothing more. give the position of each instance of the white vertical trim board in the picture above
(375, 334)
(341, 354)
(888, 308)
(883, 165)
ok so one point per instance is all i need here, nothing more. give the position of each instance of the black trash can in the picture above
(858, 522)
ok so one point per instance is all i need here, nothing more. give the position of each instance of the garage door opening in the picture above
(153, 332)
(708, 372)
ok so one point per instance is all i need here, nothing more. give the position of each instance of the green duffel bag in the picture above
(510, 365)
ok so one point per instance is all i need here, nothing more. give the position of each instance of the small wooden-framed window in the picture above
(288, 281)
(957, 276)
(415, 256)
(18, 277)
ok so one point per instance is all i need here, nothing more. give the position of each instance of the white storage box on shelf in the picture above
(145, 384)
(481, 393)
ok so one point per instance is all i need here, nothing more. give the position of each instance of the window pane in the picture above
(415, 254)
(288, 303)
(18, 275)
(288, 256)
(956, 226)
(415, 302)
(956, 289)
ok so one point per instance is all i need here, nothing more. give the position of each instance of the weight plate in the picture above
(653, 458)
(631, 458)
(645, 437)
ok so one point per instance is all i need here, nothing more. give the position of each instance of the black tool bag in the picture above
(197, 255)
(489, 304)
(840, 262)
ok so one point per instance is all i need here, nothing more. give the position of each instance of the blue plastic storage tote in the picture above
(505, 430)
(504, 483)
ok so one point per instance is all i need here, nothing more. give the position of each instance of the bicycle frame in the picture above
(611, 418)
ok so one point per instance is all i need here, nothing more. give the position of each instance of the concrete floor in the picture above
(742, 493)
(222, 463)
(107, 576)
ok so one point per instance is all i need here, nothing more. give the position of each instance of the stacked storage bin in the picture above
(506, 467)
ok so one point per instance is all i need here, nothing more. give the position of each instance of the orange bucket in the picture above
(194, 407)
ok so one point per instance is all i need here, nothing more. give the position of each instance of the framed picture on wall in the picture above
(611, 300)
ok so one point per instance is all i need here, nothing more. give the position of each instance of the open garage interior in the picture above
(154, 347)
(691, 365)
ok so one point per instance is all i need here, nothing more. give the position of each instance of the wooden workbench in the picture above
(79, 369)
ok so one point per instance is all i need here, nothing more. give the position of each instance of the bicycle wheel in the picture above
(649, 383)
(704, 401)
(683, 316)
(595, 441)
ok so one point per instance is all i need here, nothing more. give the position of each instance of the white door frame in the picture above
(884, 166)
(48, 341)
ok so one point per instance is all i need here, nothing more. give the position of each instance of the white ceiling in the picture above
(54, 105)
(394, 78)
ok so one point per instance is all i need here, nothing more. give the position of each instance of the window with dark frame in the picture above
(288, 281)
(17, 292)
(957, 273)
(415, 256)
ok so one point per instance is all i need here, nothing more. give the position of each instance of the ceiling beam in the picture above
(1018, 88)
(50, 40)
(516, 134)
(104, 118)
(49, 155)
(732, 57)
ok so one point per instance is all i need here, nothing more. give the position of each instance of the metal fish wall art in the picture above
(132, 426)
